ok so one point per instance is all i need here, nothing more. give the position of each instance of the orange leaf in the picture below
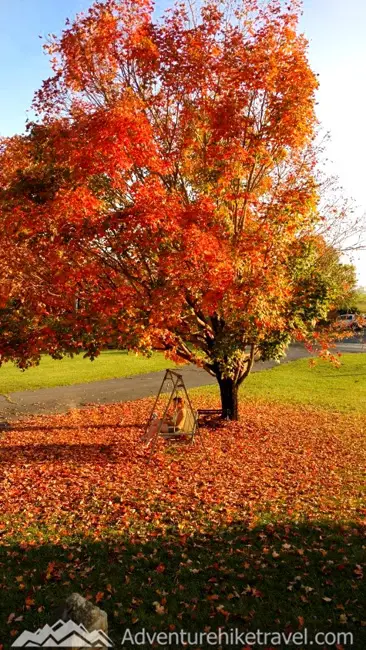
(99, 596)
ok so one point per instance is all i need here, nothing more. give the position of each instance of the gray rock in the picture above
(82, 612)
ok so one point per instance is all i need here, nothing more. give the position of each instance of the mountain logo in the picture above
(63, 635)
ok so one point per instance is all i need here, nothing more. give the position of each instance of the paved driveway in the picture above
(62, 398)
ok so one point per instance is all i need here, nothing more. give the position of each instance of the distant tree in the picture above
(341, 279)
(360, 299)
(169, 185)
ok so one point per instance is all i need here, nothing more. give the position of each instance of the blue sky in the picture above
(337, 51)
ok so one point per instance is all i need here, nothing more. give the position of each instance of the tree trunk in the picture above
(229, 398)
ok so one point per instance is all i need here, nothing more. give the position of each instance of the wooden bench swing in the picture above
(189, 429)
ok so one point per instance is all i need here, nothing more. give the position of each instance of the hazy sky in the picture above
(337, 51)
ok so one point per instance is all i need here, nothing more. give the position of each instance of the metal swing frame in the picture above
(177, 385)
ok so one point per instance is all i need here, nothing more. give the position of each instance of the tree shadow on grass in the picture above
(275, 578)
(79, 427)
(84, 453)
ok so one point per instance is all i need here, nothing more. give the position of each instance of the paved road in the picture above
(62, 398)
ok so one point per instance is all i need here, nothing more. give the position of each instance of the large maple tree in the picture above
(165, 197)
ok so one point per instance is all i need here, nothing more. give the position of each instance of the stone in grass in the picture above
(82, 612)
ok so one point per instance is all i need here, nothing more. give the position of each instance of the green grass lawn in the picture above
(77, 370)
(322, 386)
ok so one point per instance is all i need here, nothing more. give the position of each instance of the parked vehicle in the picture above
(353, 322)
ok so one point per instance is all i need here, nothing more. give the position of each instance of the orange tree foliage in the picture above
(168, 187)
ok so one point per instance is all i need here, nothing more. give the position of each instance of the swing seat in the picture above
(188, 429)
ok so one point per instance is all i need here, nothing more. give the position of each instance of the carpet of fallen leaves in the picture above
(260, 529)
(86, 472)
